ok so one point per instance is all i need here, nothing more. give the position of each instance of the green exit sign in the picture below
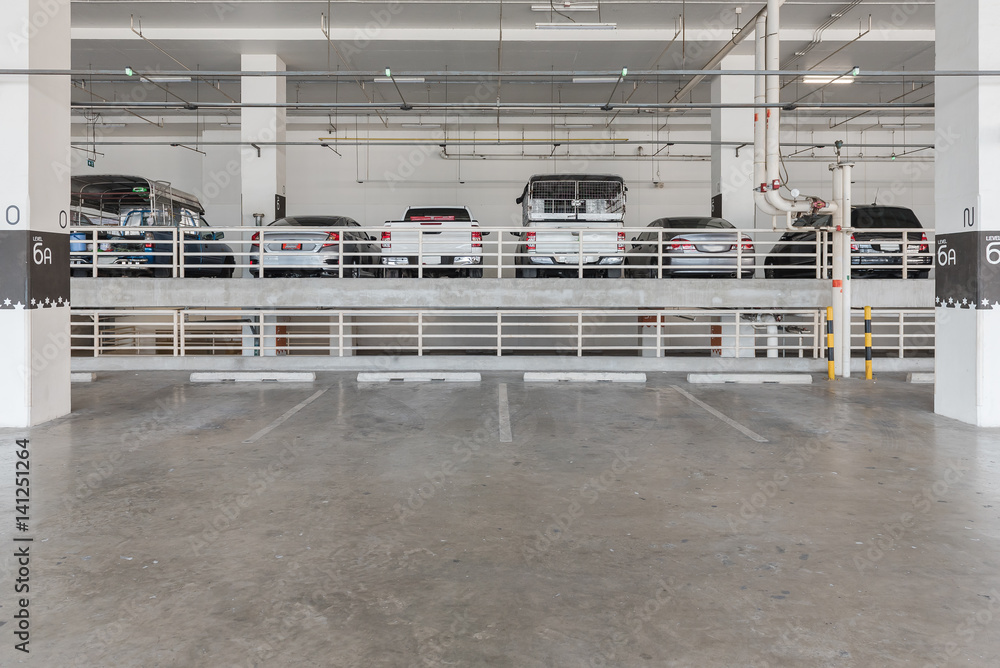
(90, 162)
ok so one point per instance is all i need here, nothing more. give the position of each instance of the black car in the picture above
(878, 253)
(691, 247)
(314, 246)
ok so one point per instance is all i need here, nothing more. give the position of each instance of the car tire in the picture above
(614, 273)
(229, 269)
(526, 273)
(161, 272)
(353, 272)
(924, 273)
(476, 272)
(392, 273)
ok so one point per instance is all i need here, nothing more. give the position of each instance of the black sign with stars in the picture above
(968, 270)
(34, 269)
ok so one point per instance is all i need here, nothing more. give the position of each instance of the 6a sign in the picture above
(40, 254)
(945, 255)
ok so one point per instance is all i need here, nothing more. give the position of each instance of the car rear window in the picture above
(438, 213)
(884, 216)
(312, 221)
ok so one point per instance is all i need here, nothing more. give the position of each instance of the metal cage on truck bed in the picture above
(582, 197)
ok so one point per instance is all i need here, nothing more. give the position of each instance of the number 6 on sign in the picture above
(993, 253)
(945, 256)
(40, 254)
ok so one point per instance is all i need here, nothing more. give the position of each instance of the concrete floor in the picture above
(388, 525)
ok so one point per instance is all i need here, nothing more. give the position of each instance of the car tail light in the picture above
(386, 239)
(255, 238)
(681, 244)
(331, 236)
(530, 239)
(854, 246)
(477, 239)
(621, 242)
(923, 247)
(747, 246)
(149, 241)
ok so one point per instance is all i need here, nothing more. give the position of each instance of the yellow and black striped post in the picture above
(829, 342)
(868, 342)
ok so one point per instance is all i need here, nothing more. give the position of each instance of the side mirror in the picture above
(484, 233)
(219, 235)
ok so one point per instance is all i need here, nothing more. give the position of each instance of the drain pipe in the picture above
(770, 188)
(761, 117)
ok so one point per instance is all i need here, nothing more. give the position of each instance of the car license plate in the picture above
(890, 248)
(291, 246)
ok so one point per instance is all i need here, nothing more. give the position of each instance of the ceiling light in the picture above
(388, 79)
(900, 126)
(168, 79)
(596, 80)
(110, 125)
(571, 126)
(576, 26)
(565, 7)
(812, 79)
(420, 125)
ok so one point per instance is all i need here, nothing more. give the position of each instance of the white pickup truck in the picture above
(573, 223)
(441, 239)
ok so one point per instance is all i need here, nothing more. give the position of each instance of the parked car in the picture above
(873, 254)
(572, 220)
(81, 243)
(444, 239)
(150, 248)
(689, 251)
(314, 246)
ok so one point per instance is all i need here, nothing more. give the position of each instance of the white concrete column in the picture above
(263, 176)
(967, 182)
(732, 176)
(34, 206)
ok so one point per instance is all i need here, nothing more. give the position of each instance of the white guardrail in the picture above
(580, 251)
(670, 332)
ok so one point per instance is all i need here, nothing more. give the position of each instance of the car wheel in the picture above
(161, 272)
(476, 272)
(229, 269)
(526, 273)
(79, 272)
(353, 272)
(392, 273)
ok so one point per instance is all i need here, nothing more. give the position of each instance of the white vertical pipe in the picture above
(845, 211)
(837, 290)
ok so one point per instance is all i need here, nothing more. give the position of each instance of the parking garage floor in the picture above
(346, 524)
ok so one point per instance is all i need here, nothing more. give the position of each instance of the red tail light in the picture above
(386, 239)
(923, 247)
(530, 239)
(621, 242)
(255, 238)
(747, 246)
(854, 246)
(477, 239)
(149, 241)
(681, 244)
(331, 236)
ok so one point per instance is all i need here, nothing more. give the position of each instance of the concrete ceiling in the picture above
(445, 35)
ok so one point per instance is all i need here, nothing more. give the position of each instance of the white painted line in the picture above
(751, 378)
(82, 377)
(583, 377)
(418, 376)
(505, 434)
(920, 378)
(253, 376)
(731, 422)
(289, 413)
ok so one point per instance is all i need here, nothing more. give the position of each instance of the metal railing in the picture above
(706, 333)
(576, 250)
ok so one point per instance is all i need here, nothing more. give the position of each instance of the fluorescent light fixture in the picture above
(419, 125)
(900, 126)
(596, 80)
(111, 125)
(399, 80)
(582, 7)
(571, 126)
(168, 79)
(827, 80)
(576, 26)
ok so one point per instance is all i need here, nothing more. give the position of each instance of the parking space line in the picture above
(505, 433)
(289, 413)
(731, 422)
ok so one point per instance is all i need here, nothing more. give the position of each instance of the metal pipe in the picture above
(759, 119)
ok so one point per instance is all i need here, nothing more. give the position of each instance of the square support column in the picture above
(263, 169)
(967, 246)
(34, 214)
(732, 167)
